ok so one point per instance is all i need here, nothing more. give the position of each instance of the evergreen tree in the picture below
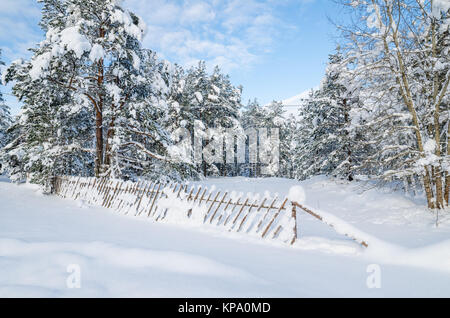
(91, 72)
(287, 147)
(49, 137)
(275, 118)
(253, 117)
(5, 117)
(199, 101)
(324, 144)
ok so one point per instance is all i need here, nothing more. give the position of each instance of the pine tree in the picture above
(223, 101)
(324, 143)
(49, 136)
(198, 99)
(275, 118)
(5, 117)
(253, 117)
(92, 73)
(287, 147)
(92, 49)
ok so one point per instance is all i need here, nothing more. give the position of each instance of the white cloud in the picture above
(197, 12)
(19, 7)
(18, 22)
(231, 33)
(19, 32)
(234, 33)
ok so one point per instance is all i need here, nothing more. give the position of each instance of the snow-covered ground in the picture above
(42, 237)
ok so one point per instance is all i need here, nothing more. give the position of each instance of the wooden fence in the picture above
(270, 218)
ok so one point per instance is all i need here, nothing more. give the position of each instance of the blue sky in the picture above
(274, 48)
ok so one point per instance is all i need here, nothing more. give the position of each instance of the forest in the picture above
(98, 103)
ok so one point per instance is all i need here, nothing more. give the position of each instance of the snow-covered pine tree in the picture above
(324, 144)
(188, 104)
(305, 146)
(253, 116)
(198, 99)
(287, 146)
(48, 137)
(178, 117)
(224, 102)
(256, 117)
(93, 60)
(5, 117)
(275, 117)
(144, 127)
(178, 111)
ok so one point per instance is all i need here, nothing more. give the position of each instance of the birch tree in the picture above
(398, 54)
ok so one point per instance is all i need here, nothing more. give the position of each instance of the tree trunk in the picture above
(447, 176)
(447, 188)
(428, 189)
(109, 136)
(437, 131)
(405, 92)
(348, 146)
(99, 142)
(99, 162)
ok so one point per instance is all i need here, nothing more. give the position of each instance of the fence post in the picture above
(294, 216)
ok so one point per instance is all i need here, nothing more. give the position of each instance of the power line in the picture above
(293, 105)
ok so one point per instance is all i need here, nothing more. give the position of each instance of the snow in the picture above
(43, 237)
(429, 146)
(440, 6)
(137, 62)
(213, 98)
(216, 89)
(39, 65)
(74, 41)
(124, 18)
(97, 53)
(297, 194)
(199, 97)
(114, 91)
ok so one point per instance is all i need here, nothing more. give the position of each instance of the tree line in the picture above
(97, 103)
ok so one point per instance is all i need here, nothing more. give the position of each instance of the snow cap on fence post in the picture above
(297, 194)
